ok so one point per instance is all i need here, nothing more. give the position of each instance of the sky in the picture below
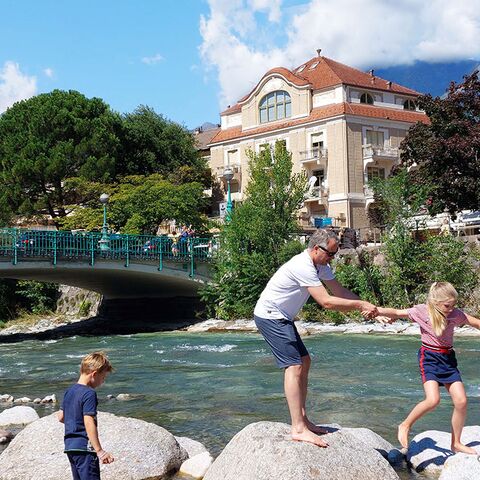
(190, 59)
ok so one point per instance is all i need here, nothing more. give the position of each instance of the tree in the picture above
(258, 237)
(45, 140)
(413, 261)
(446, 152)
(153, 144)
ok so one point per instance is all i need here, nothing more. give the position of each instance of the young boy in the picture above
(79, 414)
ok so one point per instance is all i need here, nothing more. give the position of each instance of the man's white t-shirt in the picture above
(286, 292)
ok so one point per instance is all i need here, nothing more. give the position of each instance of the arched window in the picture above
(275, 106)
(409, 105)
(366, 98)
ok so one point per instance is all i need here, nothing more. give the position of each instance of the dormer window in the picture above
(366, 98)
(275, 106)
(409, 105)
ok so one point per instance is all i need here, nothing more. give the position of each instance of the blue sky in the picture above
(189, 59)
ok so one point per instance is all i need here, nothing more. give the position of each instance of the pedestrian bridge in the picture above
(114, 265)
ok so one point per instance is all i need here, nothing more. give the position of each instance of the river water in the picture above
(209, 386)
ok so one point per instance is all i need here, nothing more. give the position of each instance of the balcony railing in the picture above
(313, 155)
(380, 151)
(316, 194)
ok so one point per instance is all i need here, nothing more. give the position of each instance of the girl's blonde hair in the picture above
(439, 292)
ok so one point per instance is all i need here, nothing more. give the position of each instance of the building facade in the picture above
(342, 126)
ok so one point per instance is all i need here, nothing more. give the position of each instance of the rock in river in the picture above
(265, 450)
(142, 451)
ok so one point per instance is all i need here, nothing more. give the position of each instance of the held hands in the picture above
(369, 310)
(105, 457)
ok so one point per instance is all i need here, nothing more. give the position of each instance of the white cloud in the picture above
(15, 86)
(153, 60)
(362, 33)
(48, 72)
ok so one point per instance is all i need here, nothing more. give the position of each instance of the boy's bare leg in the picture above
(295, 400)
(459, 398)
(432, 399)
(306, 362)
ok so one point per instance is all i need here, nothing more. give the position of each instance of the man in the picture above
(307, 273)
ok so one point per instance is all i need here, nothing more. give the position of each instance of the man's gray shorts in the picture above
(283, 339)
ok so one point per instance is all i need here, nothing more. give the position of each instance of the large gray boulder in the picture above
(142, 451)
(18, 416)
(428, 451)
(375, 441)
(461, 467)
(265, 450)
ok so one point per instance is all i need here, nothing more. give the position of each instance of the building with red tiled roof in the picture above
(342, 126)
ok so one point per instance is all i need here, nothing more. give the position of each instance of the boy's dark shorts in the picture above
(85, 465)
(283, 338)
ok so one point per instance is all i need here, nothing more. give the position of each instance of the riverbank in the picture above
(56, 327)
(315, 328)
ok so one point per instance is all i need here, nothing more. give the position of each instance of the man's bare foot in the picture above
(460, 447)
(310, 437)
(317, 428)
(403, 431)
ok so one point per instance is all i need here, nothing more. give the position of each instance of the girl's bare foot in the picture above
(403, 431)
(460, 447)
(310, 437)
(316, 428)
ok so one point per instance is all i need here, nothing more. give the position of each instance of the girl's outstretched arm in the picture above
(474, 322)
(392, 313)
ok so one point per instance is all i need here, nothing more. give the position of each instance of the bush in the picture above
(37, 297)
(84, 308)
(312, 312)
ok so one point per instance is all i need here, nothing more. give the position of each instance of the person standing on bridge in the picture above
(307, 273)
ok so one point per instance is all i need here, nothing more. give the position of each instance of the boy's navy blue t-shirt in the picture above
(79, 400)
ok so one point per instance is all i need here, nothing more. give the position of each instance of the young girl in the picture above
(438, 365)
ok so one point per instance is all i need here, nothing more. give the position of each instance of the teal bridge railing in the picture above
(20, 245)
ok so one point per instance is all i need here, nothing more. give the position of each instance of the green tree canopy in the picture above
(258, 237)
(153, 144)
(138, 204)
(47, 139)
(447, 151)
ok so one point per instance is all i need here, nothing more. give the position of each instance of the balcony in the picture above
(385, 153)
(314, 155)
(317, 194)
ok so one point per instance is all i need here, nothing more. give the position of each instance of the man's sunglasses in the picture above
(328, 252)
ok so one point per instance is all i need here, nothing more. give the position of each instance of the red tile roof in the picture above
(328, 73)
(321, 113)
(323, 72)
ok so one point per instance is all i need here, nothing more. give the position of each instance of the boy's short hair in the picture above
(96, 361)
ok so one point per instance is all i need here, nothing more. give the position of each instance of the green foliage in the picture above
(84, 308)
(446, 152)
(413, 261)
(7, 300)
(312, 312)
(153, 144)
(363, 278)
(47, 139)
(141, 203)
(138, 204)
(257, 239)
(36, 297)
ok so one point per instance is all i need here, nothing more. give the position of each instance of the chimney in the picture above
(371, 72)
(389, 85)
(319, 51)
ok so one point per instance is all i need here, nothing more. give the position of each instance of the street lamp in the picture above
(228, 175)
(105, 240)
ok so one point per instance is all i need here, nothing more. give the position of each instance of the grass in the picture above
(26, 319)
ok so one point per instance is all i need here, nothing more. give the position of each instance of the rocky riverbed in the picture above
(260, 451)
